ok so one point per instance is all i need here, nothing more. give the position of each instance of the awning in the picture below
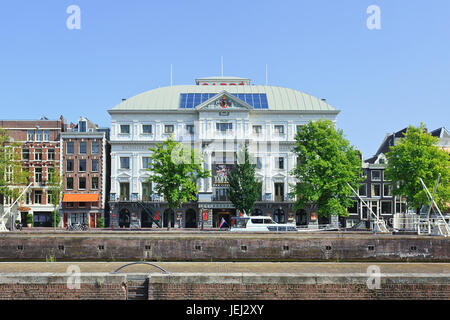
(85, 197)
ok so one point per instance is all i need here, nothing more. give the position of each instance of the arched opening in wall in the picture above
(146, 220)
(278, 216)
(257, 212)
(124, 218)
(168, 217)
(301, 217)
(191, 219)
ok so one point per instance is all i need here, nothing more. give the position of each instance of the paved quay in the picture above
(205, 234)
(228, 267)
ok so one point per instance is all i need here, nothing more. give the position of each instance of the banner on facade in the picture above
(220, 174)
(205, 215)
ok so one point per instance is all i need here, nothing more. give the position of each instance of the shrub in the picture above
(100, 223)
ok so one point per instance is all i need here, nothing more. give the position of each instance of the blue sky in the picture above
(381, 80)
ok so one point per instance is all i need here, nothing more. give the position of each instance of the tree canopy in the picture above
(176, 169)
(417, 155)
(12, 174)
(326, 162)
(244, 188)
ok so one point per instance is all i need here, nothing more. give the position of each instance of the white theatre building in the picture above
(217, 115)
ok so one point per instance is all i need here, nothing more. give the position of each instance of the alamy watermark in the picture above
(74, 20)
(374, 277)
(374, 20)
(74, 277)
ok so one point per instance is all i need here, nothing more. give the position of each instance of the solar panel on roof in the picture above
(192, 100)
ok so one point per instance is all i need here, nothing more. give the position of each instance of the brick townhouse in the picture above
(40, 144)
(86, 150)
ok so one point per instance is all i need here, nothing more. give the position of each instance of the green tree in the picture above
(175, 171)
(416, 156)
(244, 188)
(55, 190)
(12, 175)
(326, 162)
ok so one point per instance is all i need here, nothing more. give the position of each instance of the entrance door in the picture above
(279, 192)
(23, 218)
(124, 218)
(226, 214)
(124, 191)
(191, 219)
(168, 218)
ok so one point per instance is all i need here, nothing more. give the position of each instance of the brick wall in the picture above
(222, 247)
(228, 287)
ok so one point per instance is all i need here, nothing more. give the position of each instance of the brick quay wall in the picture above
(220, 246)
(240, 286)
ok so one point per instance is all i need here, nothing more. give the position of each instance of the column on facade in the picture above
(208, 181)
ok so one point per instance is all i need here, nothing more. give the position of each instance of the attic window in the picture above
(82, 126)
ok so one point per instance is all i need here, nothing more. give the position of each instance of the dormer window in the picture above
(82, 126)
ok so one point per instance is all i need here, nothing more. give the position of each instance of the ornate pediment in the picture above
(224, 101)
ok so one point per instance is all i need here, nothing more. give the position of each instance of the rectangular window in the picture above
(26, 154)
(94, 167)
(258, 163)
(49, 197)
(124, 163)
(94, 183)
(38, 197)
(279, 192)
(38, 175)
(38, 154)
(386, 207)
(30, 136)
(125, 129)
(279, 163)
(299, 128)
(69, 165)
(168, 128)
(82, 147)
(81, 183)
(279, 130)
(376, 175)
(190, 128)
(146, 162)
(82, 165)
(95, 147)
(223, 127)
(38, 135)
(387, 190)
(50, 174)
(51, 154)
(70, 147)
(69, 183)
(376, 190)
(257, 129)
(147, 129)
(46, 135)
(363, 190)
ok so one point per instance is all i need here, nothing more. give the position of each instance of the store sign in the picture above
(220, 174)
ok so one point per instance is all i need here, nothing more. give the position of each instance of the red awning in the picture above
(85, 197)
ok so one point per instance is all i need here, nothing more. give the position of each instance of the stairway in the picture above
(137, 287)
